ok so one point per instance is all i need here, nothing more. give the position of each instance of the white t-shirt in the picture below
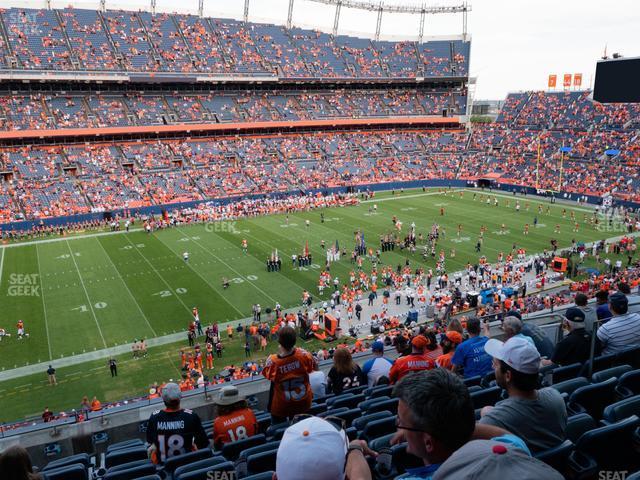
(318, 383)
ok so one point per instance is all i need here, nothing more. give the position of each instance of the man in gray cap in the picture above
(173, 430)
(575, 347)
(623, 330)
(539, 417)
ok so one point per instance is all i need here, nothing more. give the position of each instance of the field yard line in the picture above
(127, 287)
(64, 239)
(265, 243)
(1, 266)
(87, 295)
(44, 308)
(402, 197)
(230, 267)
(201, 276)
(157, 273)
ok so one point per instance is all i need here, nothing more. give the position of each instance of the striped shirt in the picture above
(620, 333)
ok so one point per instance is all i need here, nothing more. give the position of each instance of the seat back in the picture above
(571, 385)
(206, 473)
(630, 381)
(331, 401)
(80, 458)
(131, 473)
(379, 391)
(316, 409)
(126, 466)
(125, 455)
(265, 447)
(261, 462)
(566, 372)
(556, 457)
(367, 403)
(579, 424)
(599, 363)
(361, 422)
(349, 402)
(488, 396)
(622, 409)
(126, 444)
(260, 476)
(402, 460)
(611, 446)
(349, 415)
(356, 390)
(198, 465)
(390, 404)
(67, 472)
(174, 462)
(593, 398)
(630, 356)
(378, 428)
(231, 450)
(608, 373)
(473, 380)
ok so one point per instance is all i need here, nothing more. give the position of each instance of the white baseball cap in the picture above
(312, 449)
(516, 352)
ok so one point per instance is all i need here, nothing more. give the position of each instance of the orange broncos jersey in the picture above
(410, 363)
(234, 426)
(291, 392)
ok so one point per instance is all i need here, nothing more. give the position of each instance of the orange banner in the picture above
(552, 81)
(567, 80)
(577, 79)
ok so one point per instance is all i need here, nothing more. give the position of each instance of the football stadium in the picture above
(318, 239)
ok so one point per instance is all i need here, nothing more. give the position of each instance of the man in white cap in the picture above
(539, 417)
(315, 449)
(174, 430)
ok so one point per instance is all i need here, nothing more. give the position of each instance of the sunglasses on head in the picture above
(338, 423)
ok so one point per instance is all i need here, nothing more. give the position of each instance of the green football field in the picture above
(94, 292)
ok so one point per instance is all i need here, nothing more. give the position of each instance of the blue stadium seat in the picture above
(265, 447)
(80, 458)
(360, 423)
(610, 447)
(356, 390)
(579, 424)
(390, 404)
(402, 460)
(630, 356)
(349, 416)
(592, 399)
(323, 398)
(150, 477)
(380, 443)
(126, 444)
(231, 450)
(174, 462)
(620, 410)
(125, 455)
(379, 391)
(126, 466)
(557, 457)
(264, 422)
(487, 397)
(566, 372)
(365, 405)
(629, 384)
(206, 472)
(332, 411)
(599, 363)
(349, 402)
(634, 476)
(570, 385)
(198, 465)
(487, 379)
(331, 401)
(261, 462)
(473, 380)
(67, 472)
(606, 374)
(316, 409)
(131, 473)
(260, 476)
(378, 428)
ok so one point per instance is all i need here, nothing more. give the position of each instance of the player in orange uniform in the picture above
(235, 420)
(288, 371)
(414, 362)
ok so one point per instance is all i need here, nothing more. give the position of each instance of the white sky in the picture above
(515, 45)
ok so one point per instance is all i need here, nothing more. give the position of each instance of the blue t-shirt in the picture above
(471, 356)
